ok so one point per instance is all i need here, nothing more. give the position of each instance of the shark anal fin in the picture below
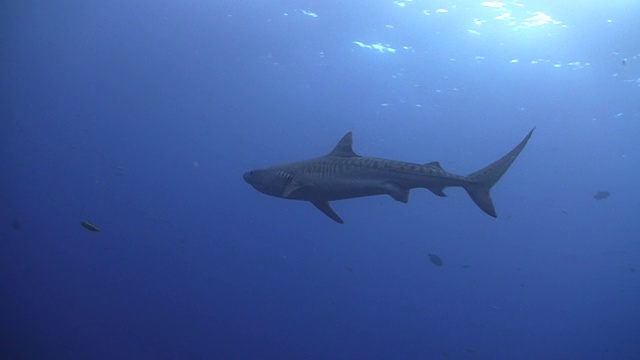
(327, 210)
(398, 193)
(438, 191)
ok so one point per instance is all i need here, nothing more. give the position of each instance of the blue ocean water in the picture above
(141, 117)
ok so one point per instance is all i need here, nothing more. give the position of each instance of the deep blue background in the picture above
(141, 116)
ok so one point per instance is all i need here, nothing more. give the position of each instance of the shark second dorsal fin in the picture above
(435, 164)
(344, 147)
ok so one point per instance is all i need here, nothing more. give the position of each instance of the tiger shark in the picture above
(342, 174)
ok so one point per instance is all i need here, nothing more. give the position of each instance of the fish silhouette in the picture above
(435, 259)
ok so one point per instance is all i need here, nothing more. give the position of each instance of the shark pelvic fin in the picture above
(327, 210)
(344, 147)
(398, 193)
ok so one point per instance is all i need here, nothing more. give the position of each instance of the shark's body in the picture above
(342, 174)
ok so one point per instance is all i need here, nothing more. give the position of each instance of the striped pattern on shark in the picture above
(342, 174)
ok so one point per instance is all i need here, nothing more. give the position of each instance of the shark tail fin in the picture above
(480, 182)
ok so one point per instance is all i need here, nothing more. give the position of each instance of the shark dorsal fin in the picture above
(344, 148)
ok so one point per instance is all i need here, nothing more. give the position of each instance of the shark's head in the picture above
(269, 181)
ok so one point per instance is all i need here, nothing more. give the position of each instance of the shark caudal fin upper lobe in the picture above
(480, 182)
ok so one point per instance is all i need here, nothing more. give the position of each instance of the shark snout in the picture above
(247, 177)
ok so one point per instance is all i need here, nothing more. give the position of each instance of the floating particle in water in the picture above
(601, 195)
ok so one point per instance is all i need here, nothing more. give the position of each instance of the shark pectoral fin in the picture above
(327, 210)
(398, 193)
(291, 187)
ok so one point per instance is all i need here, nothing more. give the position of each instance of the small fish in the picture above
(120, 170)
(89, 226)
(435, 259)
(601, 195)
